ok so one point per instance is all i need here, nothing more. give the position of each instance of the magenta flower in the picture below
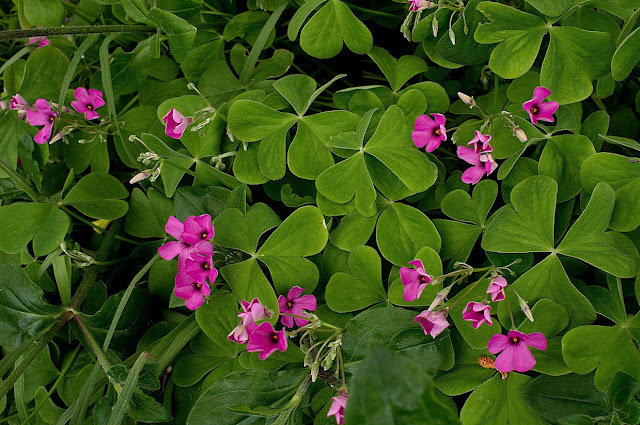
(191, 291)
(433, 322)
(478, 313)
(43, 115)
(199, 264)
(539, 110)
(496, 288)
(87, 102)
(418, 5)
(514, 352)
(294, 303)
(478, 156)
(18, 102)
(428, 132)
(195, 229)
(265, 340)
(176, 123)
(338, 406)
(414, 281)
(42, 41)
(251, 312)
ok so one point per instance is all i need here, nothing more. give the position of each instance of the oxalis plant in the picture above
(213, 212)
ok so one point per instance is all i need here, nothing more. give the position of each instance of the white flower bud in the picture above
(139, 177)
(520, 134)
(468, 100)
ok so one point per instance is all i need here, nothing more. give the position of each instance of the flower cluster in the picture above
(429, 132)
(514, 354)
(195, 257)
(41, 114)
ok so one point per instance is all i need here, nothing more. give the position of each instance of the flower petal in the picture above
(523, 360)
(535, 340)
(498, 343)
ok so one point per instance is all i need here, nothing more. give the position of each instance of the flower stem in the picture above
(513, 323)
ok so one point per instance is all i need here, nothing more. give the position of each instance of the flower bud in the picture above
(525, 307)
(520, 134)
(139, 177)
(468, 100)
(434, 25)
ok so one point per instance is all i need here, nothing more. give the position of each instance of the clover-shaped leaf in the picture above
(362, 287)
(397, 71)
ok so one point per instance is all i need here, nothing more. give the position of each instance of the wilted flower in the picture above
(252, 312)
(429, 133)
(478, 313)
(338, 406)
(265, 340)
(295, 303)
(414, 281)
(514, 352)
(87, 102)
(433, 322)
(496, 288)
(539, 110)
(418, 5)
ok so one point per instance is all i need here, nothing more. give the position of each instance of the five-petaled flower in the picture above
(42, 115)
(265, 340)
(429, 133)
(176, 123)
(191, 291)
(514, 354)
(195, 229)
(87, 102)
(433, 322)
(414, 281)
(479, 156)
(252, 312)
(496, 288)
(478, 313)
(199, 263)
(294, 303)
(539, 110)
(338, 406)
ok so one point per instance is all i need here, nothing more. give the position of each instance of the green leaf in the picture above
(247, 281)
(397, 71)
(148, 214)
(404, 230)
(353, 230)
(519, 34)
(99, 195)
(552, 9)
(180, 33)
(622, 141)
(528, 226)
(500, 400)
(264, 120)
(401, 394)
(575, 57)
(124, 397)
(588, 240)
(607, 349)
(191, 368)
(43, 74)
(242, 231)
(138, 11)
(554, 397)
(362, 287)
(25, 221)
(458, 205)
(234, 398)
(458, 239)
(561, 159)
(625, 217)
(23, 310)
(43, 13)
(217, 317)
(433, 265)
(466, 50)
(624, 59)
(616, 170)
(144, 408)
(334, 23)
(51, 233)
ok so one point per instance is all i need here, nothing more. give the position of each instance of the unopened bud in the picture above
(452, 36)
(59, 135)
(139, 177)
(434, 25)
(520, 134)
(525, 307)
(440, 297)
(468, 100)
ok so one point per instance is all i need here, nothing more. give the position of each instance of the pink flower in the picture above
(338, 406)
(87, 102)
(428, 132)
(478, 156)
(294, 303)
(176, 123)
(43, 115)
(478, 313)
(265, 340)
(496, 288)
(18, 102)
(414, 281)
(539, 110)
(195, 229)
(251, 313)
(199, 263)
(418, 5)
(515, 354)
(42, 41)
(191, 291)
(433, 322)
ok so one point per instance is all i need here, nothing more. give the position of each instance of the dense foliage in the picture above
(318, 212)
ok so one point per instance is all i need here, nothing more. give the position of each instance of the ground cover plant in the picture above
(319, 212)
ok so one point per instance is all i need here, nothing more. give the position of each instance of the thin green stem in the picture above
(85, 29)
(513, 323)
(102, 358)
(373, 12)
